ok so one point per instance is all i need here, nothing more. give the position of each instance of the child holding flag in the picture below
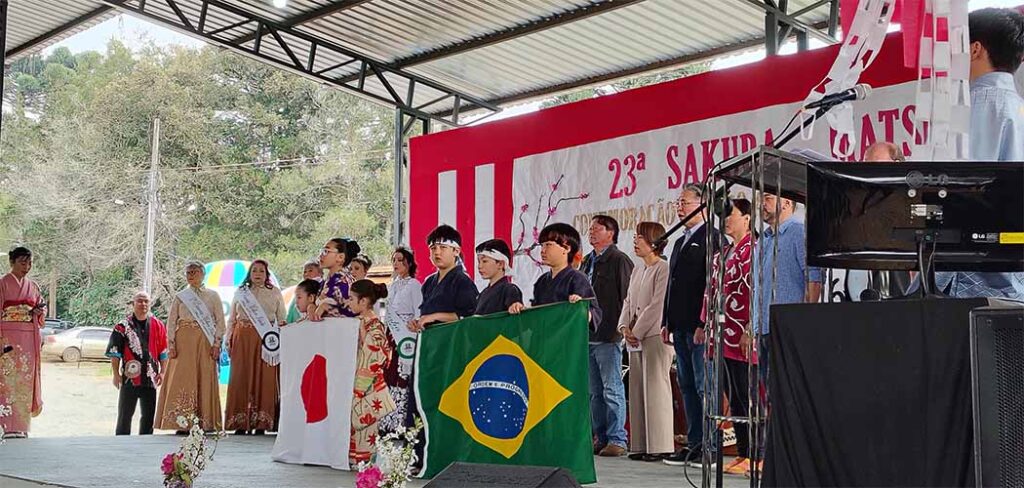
(559, 244)
(494, 258)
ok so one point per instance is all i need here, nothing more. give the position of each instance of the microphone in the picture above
(858, 92)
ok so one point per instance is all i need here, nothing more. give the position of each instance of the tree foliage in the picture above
(254, 162)
(627, 84)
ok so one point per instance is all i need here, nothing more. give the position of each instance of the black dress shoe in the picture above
(260, 432)
(240, 432)
(637, 456)
(653, 458)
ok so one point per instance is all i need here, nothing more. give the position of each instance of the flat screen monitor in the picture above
(872, 215)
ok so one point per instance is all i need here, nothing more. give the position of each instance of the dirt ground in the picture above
(80, 400)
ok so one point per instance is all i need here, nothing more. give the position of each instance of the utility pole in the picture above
(151, 198)
(52, 309)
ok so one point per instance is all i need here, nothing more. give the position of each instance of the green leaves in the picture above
(254, 162)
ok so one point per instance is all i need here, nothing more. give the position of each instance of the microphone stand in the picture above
(822, 110)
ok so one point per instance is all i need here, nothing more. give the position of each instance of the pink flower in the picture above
(525, 207)
(584, 195)
(536, 234)
(369, 478)
(554, 187)
(167, 466)
(551, 211)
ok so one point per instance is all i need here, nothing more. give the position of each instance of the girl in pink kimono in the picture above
(22, 311)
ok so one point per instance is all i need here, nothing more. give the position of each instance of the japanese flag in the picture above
(318, 363)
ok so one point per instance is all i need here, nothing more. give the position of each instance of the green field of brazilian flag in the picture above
(508, 389)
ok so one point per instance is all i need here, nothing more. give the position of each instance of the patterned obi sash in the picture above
(21, 312)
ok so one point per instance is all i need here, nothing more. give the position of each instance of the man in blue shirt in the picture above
(997, 128)
(794, 282)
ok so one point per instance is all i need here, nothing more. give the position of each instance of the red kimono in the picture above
(736, 289)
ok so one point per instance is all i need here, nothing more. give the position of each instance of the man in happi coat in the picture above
(138, 358)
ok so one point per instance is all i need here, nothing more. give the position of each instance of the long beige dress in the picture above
(190, 385)
(650, 390)
(253, 388)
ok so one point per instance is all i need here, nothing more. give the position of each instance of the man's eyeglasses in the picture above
(687, 203)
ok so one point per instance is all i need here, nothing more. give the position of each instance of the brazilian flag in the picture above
(508, 389)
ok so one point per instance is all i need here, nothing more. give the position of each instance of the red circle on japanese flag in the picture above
(314, 389)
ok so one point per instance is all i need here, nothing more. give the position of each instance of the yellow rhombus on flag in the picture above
(540, 394)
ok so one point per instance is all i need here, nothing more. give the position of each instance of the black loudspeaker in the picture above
(470, 475)
(997, 370)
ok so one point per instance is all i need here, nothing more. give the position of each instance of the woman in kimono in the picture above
(22, 311)
(335, 257)
(195, 328)
(257, 311)
(371, 398)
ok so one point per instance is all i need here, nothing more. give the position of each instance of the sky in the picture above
(136, 33)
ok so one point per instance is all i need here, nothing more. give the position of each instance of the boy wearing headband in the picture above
(494, 259)
(449, 294)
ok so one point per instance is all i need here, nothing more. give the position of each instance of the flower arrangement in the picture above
(181, 468)
(5, 410)
(393, 458)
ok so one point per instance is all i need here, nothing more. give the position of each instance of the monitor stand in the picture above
(926, 269)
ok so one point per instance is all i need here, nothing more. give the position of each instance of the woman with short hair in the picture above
(650, 389)
(195, 329)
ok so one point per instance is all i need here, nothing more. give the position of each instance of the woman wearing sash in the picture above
(335, 258)
(404, 299)
(257, 312)
(195, 328)
(21, 316)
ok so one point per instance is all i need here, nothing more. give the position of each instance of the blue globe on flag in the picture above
(499, 397)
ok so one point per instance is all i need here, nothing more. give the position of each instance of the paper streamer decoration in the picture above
(943, 113)
(859, 49)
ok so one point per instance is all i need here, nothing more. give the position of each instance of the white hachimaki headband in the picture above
(497, 256)
(446, 242)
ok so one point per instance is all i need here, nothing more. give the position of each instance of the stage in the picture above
(93, 462)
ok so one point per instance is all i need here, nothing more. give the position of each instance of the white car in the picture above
(77, 344)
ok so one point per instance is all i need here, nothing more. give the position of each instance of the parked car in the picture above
(54, 326)
(77, 344)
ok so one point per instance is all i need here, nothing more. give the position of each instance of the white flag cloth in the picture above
(318, 363)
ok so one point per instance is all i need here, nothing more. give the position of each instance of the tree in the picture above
(627, 84)
(255, 162)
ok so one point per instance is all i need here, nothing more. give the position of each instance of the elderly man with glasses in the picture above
(683, 302)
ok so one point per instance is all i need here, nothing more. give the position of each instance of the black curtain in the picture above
(871, 394)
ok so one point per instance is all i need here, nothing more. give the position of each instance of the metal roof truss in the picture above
(280, 44)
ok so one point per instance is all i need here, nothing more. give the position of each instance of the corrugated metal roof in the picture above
(492, 50)
(35, 24)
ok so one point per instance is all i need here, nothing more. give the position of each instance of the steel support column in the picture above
(3, 49)
(404, 123)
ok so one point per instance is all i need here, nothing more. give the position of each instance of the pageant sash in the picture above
(269, 335)
(200, 313)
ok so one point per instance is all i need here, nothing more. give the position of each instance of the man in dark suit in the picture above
(683, 303)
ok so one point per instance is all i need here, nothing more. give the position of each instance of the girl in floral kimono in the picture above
(371, 399)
